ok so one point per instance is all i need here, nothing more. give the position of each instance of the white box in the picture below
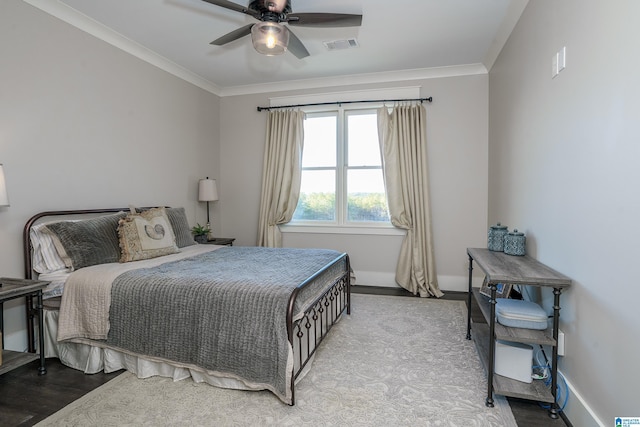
(514, 360)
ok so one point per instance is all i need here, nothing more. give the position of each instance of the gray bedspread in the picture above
(224, 311)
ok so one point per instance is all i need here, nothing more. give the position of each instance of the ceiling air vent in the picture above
(341, 44)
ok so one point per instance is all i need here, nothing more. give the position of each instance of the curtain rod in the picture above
(430, 99)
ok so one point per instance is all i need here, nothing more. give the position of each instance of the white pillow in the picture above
(45, 257)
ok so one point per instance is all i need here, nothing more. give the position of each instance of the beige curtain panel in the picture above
(281, 173)
(403, 143)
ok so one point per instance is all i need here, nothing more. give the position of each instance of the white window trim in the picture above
(340, 225)
(409, 92)
(381, 230)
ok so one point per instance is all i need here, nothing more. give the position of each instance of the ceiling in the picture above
(397, 40)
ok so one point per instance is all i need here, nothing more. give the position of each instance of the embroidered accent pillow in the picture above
(146, 235)
(178, 219)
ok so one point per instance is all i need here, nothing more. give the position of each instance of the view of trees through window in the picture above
(342, 179)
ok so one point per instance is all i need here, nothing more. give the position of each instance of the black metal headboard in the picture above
(26, 242)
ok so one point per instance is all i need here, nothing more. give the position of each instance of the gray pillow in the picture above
(180, 225)
(87, 242)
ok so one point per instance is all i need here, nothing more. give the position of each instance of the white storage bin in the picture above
(514, 360)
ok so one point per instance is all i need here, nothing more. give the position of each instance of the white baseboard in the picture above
(375, 278)
(578, 411)
(457, 283)
(387, 280)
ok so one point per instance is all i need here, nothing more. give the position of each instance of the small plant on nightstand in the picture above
(200, 233)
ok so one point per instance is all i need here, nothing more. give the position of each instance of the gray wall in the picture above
(457, 136)
(563, 168)
(85, 125)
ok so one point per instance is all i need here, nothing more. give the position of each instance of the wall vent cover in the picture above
(341, 44)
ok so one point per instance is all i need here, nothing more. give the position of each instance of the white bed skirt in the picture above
(92, 359)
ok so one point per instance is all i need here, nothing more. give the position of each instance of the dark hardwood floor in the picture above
(27, 398)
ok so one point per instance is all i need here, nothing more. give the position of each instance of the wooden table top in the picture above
(520, 270)
(15, 287)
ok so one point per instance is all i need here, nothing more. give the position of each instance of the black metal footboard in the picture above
(307, 332)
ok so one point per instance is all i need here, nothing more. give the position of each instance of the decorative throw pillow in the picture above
(146, 235)
(180, 225)
(178, 219)
(87, 242)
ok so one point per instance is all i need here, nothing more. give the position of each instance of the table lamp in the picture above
(208, 192)
(4, 197)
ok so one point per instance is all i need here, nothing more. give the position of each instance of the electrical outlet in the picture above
(560, 343)
(562, 59)
(558, 61)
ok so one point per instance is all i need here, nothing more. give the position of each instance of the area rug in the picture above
(395, 361)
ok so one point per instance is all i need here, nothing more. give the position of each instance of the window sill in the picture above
(336, 229)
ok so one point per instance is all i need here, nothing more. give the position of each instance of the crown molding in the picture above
(357, 79)
(71, 16)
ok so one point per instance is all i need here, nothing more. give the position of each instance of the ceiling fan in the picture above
(269, 36)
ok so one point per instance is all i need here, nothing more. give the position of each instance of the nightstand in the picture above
(23, 288)
(222, 241)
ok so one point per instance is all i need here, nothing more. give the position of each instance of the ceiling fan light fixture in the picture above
(270, 38)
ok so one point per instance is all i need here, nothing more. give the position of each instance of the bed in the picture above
(130, 289)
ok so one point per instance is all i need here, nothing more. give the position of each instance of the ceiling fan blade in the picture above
(324, 19)
(235, 6)
(233, 35)
(296, 47)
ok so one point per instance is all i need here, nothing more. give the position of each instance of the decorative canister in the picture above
(514, 243)
(495, 241)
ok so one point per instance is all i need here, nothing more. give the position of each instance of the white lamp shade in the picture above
(207, 190)
(4, 197)
(270, 38)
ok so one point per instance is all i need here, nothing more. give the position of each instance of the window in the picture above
(342, 181)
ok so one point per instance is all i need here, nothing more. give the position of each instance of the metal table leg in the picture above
(469, 296)
(492, 346)
(553, 408)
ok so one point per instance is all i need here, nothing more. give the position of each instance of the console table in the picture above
(499, 267)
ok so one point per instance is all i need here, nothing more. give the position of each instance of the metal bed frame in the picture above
(305, 333)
